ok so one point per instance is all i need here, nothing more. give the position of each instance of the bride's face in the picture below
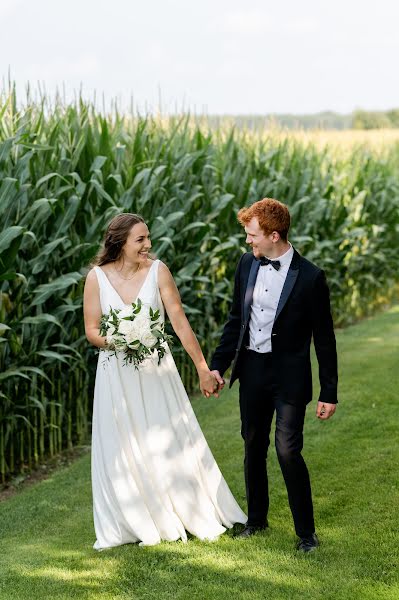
(138, 243)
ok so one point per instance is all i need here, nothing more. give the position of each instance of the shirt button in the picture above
(261, 309)
(260, 330)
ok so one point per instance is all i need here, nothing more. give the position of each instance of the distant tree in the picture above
(363, 119)
(393, 116)
(359, 119)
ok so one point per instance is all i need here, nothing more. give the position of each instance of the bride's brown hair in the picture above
(115, 238)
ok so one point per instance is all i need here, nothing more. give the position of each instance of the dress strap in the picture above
(159, 299)
(156, 267)
(100, 275)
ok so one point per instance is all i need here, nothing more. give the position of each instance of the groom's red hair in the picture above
(272, 215)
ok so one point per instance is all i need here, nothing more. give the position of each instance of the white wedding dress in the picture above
(153, 475)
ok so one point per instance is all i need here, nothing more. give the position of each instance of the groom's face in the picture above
(261, 244)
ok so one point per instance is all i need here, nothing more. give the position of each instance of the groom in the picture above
(280, 301)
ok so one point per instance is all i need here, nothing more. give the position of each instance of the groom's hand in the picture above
(221, 382)
(325, 410)
(208, 384)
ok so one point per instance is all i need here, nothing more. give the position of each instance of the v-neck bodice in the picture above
(148, 293)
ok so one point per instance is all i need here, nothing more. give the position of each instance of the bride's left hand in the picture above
(208, 384)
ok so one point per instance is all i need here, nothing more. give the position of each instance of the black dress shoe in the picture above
(249, 530)
(308, 544)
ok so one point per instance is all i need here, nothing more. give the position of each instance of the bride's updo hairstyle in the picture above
(115, 238)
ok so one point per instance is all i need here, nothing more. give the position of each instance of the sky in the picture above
(208, 56)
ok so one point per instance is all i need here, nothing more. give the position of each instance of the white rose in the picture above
(141, 323)
(141, 326)
(142, 330)
(131, 336)
(148, 339)
(126, 327)
(128, 331)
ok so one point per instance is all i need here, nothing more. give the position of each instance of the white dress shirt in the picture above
(268, 287)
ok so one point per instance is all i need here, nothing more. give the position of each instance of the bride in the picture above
(153, 475)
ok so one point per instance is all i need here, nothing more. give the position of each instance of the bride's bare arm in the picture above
(172, 302)
(92, 310)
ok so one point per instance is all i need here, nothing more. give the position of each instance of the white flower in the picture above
(148, 339)
(141, 326)
(142, 329)
(126, 327)
(141, 321)
(131, 336)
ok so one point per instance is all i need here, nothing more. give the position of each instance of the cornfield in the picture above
(66, 170)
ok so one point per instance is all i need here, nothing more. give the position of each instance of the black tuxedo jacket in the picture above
(303, 311)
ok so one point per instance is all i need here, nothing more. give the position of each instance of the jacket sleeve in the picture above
(324, 340)
(225, 352)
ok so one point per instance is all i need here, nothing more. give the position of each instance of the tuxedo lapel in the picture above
(249, 292)
(288, 284)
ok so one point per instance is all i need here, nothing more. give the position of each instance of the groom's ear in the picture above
(275, 236)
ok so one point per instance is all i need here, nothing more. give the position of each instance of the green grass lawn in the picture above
(46, 531)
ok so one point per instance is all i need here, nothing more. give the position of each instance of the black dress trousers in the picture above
(259, 398)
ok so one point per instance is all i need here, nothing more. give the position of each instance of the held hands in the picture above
(325, 410)
(211, 383)
(220, 382)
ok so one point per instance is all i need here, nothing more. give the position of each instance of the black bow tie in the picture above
(266, 261)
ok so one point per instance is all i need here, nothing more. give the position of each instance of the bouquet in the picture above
(136, 331)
